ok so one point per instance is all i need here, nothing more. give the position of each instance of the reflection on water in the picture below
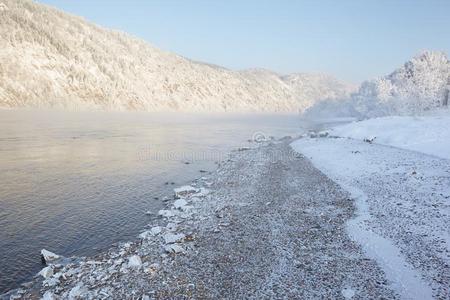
(75, 183)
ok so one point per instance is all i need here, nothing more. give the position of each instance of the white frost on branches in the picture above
(52, 59)
(420, 85)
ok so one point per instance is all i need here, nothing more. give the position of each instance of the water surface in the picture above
(75, 183)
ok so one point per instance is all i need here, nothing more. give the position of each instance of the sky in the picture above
(353, 40)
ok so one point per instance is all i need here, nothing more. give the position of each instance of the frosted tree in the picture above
(420, 85)
(49, 58)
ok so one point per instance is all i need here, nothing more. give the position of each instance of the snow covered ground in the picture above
(427, 134)
(402, 196)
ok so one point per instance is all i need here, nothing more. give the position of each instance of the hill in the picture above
(422, 84)
(53, 59)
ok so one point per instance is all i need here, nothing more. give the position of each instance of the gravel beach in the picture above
(266, 224)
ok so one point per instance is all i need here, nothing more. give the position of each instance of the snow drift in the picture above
(52, 59)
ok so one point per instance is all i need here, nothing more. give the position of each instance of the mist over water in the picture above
(75, 183)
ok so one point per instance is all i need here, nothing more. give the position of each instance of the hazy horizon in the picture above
(352, 40)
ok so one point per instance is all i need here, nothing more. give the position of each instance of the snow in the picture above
(63, 65)
(180, 203)
(171, 227)
(166, 213)
(49, 256)
(384, 251)
(348, 293)
(173, 248)
(3, 7)
(77, 291)
(420, 85)
(134, 262)
(185, 191)
(48, 296)
(156, 230)
(426, 134)
(171, 238)
(202, 193)
(46, 272)
(149, 233)
(401, 197)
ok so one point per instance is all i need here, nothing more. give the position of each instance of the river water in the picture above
(76, 183)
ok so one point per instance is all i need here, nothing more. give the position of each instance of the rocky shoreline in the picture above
(83, 277)
(266, 224)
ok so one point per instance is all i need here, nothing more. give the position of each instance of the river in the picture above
(76, 182)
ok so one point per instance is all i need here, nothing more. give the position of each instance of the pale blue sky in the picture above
(351, 39)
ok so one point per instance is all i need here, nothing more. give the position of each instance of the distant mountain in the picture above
(52, 59)
(311, 87)
(421, 84)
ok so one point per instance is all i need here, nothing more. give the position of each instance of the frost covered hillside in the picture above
(421, 84)
(52, 59)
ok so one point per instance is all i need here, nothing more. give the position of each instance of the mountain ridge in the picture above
(55, 59)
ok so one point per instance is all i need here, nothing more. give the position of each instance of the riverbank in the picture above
(265, 224)
(398, 171)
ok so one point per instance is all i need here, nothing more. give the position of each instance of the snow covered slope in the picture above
(420, 85)
(427, 134)
(52, 59)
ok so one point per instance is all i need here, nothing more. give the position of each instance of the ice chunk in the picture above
(152, 232)
(202, 192)
(48, 296)
(180, 203)
(348, 293)
(170, 238)
(171, 226)
(48, 256)
(173, 248)
(134, 262)
(156, 230)
(166, 213)
(77, 291)
(185, 191)
(46, 272)
(145, 235)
